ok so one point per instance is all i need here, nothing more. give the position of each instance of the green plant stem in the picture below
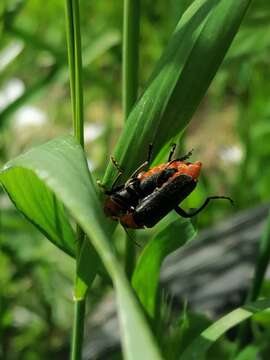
(262, 262)
(76, 87)
(131, 31)
(71, 57)
(75, 67)
(77, 335)
(79, 308)
(79, 116)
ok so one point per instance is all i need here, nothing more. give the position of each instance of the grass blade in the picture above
(180, 79)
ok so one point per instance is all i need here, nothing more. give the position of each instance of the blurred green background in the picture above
(230, 134)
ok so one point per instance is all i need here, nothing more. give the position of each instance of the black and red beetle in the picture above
(126, 197)
(148, 196)
(161, 201)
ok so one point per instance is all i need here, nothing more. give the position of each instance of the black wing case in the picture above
(158, 204)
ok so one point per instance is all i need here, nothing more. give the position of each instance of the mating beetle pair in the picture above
(148, 196)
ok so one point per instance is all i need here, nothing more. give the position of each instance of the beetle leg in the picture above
(120, 172)
(140, 168)
(116, 165)
(172, 152)
(135, 173)
(183, 158)
(116, 180)
(147, 162)
(184, 214)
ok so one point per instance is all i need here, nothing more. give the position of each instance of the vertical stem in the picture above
(70, 48)
(77, 334)
(79, 116)
(131, 31)
(75, 68)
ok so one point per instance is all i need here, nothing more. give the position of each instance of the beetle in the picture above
(152, 208)
(124, 198)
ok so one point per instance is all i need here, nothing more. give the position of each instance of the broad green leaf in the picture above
(180, 80)
(146, 275)
(199, 347)
(62, 166)
(40, 206)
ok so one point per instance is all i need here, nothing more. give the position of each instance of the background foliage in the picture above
(36, 278)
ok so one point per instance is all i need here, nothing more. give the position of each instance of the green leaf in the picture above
(40, 206)
(180, 80)
(199, 347)
(62, 166)
(145, 281)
